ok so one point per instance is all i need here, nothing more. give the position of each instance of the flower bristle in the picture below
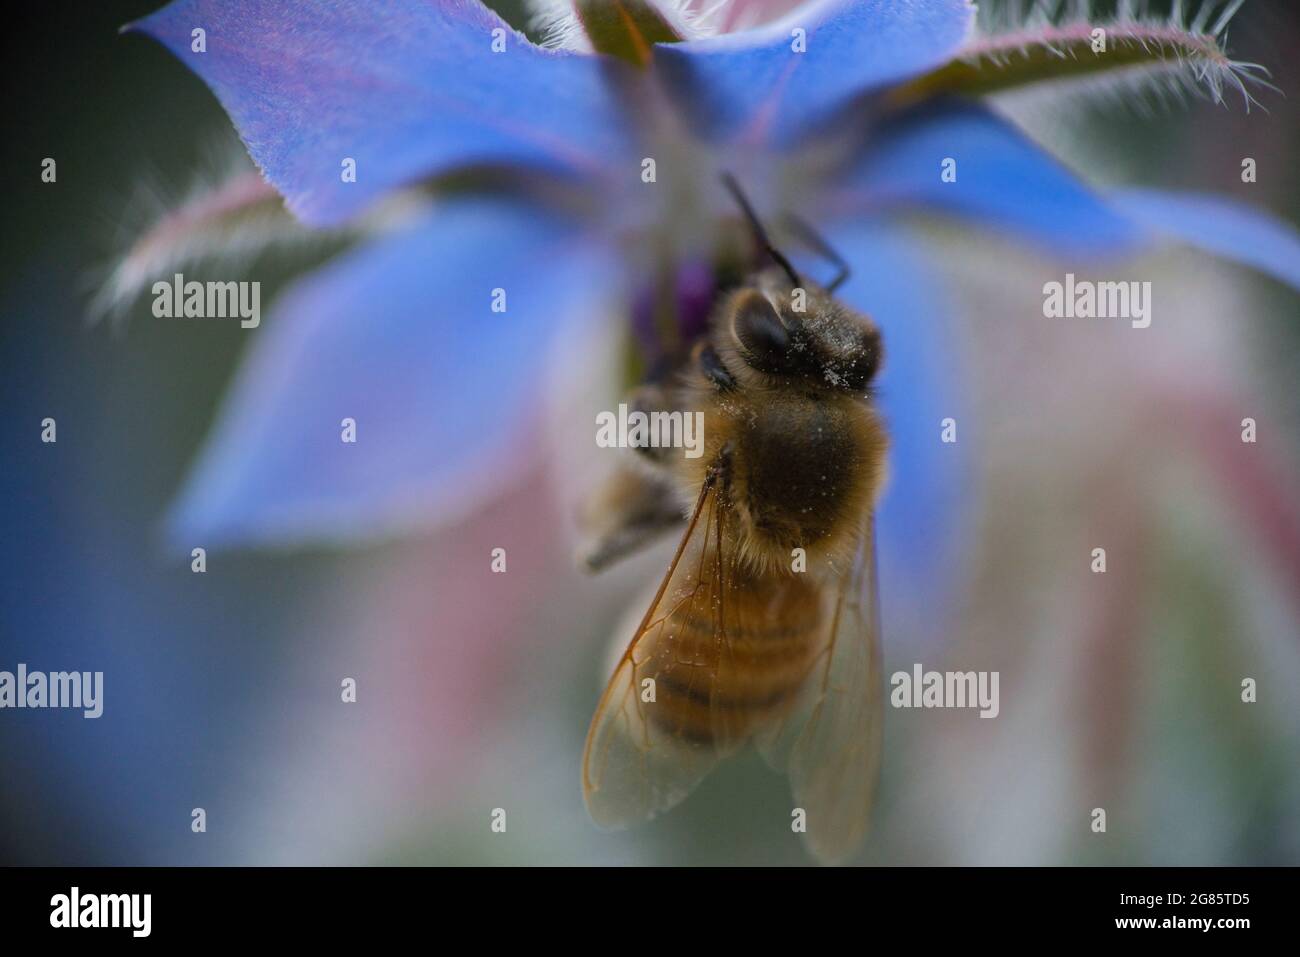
(1181, 53)
(558, 25)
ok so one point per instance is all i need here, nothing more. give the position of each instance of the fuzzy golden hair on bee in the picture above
(764, 628)
(796, 471)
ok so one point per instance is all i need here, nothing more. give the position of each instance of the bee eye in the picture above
(713, 368)
(760, 332)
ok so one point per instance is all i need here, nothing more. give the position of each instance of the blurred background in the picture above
(1119, 691)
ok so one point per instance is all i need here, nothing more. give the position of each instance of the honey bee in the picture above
(765, 629)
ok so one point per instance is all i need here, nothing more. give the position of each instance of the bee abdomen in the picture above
(733, 673)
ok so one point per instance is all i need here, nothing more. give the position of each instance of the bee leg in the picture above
(648, 399)
(629, 511)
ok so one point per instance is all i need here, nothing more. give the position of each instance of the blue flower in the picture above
(576, 182)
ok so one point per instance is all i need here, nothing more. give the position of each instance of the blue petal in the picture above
(924, 516)
(754, 87)
(1002, 180)
(406, 88)
(401, 337)
(1219, 226)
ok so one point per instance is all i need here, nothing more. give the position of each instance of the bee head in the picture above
(803, 332)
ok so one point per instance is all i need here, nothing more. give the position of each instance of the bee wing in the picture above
(639, 762)
(829, 742)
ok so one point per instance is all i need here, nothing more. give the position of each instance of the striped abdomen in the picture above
(756, 638)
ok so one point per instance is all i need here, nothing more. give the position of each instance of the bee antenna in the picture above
(814, 240)
(756, 227)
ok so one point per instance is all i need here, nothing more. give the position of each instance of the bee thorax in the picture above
(803, 471)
